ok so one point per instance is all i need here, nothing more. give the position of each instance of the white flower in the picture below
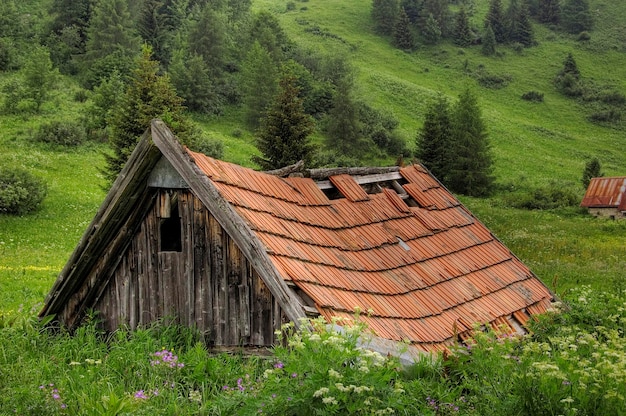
(321, 392)
(334, 374)
(329, 400)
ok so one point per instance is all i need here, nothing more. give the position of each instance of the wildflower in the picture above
(195, 396)
(567, 400)
(140, 395)
(75, 363)
(294, 375)
(329, 400)
(279, 365)
(334, 374)
(322, 391)
(315, 338)
(63, 406)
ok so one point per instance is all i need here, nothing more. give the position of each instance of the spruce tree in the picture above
(434, 147)
(208, 38)
(488, 42)
(495, 19)
(402, 36)
(385, 13)
(154, 26)
(431, 32)
(517, 21)
(39, 76)
(283, 138)
(440, 11)
(593, 169)
(343, 132)
(190, 76)
(462, 35)
(259, 84)
(549, 11)
(112, 41)
(148, 96)
(472, 165)
(576, 16)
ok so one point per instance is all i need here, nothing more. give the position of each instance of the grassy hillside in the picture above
(534, 143)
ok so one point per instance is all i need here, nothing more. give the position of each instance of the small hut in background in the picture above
(606, 197)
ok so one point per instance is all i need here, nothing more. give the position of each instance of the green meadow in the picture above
(575, 364)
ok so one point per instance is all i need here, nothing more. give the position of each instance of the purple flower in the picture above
(56, 396)
(63, 406)
(225, 388)
(279, 365)
(294, 375)
(140, 395)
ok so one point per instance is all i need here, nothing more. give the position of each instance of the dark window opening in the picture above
(171, 238)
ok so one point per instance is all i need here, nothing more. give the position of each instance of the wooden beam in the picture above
(364, 180)
(228, 218)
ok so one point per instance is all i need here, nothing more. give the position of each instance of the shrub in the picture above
(546, 197)
(493, 81)
(291, 6)
(583, 36)
(62, 133)
(20, 192)
(606, 116)
(533, 96)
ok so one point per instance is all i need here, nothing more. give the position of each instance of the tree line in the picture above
(411, 22)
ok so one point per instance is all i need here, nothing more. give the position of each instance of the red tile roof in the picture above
(426, 268)
(606, 193)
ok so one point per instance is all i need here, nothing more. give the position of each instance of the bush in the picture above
(533, 96)
(493, 81)
(20, 192)
(547, 197)
(606, 116)
(62, 133)
(583, 36)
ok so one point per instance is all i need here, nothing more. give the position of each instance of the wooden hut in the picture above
(606, 197)
(236, 253)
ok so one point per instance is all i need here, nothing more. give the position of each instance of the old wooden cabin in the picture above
(236, 252)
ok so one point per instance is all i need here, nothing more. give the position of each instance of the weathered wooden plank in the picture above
(197, 263)
(184, 283)
(219, 284)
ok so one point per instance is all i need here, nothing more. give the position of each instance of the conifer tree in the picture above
(434, 147)
(549, 11)
(593, 169)
(190, 76)
(402, 36)
(412, 9)
(431, 31)
(385, 13)
(39, 76)
(576, 16)
(440, 11)
(472, 165)
(343, 132)
(488, 42)
(283, 137)
(154, 27)
(517, 21)
(112, 42)
(495, 19)
(208, 38)
(463, 35)
(148, 96)
(259, 84)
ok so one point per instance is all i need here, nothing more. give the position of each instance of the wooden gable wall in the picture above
(208, 284)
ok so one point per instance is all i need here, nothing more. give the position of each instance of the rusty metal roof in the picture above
(606, 193)
(419, 261)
